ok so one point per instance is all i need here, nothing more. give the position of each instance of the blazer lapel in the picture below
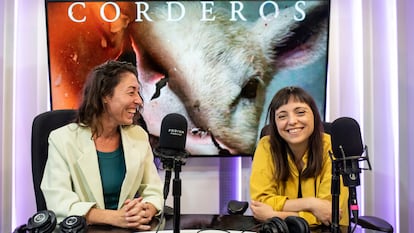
(89, 165)
(133, 160)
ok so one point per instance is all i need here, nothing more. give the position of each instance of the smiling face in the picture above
(122, 105)
(295, 123)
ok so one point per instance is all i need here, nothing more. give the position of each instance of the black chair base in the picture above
(374, 223)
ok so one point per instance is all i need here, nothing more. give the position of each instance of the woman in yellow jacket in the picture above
(292, 170)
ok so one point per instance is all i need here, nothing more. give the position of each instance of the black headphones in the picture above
(297, 224)
(291, 224)
(44, 221)
(73, 224)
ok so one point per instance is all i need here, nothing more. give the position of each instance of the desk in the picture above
(208, 221)
(191, 223)
(195, 221)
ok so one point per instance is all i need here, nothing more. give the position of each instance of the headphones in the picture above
(44, 221)
(73, 224)
(291, 224)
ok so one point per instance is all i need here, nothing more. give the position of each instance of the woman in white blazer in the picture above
(101, 166)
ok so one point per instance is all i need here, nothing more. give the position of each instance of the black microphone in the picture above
(347, 147)
(171, 147)
(173, 134)
(347, 144)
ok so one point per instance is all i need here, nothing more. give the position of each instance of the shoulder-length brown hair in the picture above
(100, 83)
(279, 147)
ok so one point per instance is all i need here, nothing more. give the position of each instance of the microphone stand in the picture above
(173, 160)
(177, 195)
(335, 191)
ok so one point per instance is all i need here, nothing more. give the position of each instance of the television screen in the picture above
(218, 63)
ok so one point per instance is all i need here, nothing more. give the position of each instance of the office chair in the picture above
(235, 207)
(42, 125)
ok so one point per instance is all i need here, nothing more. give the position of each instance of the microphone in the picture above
(171, 147)
(347, 147)
(172, 152)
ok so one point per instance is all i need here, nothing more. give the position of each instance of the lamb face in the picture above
(214, 72)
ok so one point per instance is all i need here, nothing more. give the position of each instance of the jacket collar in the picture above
(88, 163)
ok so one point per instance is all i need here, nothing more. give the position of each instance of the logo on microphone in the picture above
(176, 132)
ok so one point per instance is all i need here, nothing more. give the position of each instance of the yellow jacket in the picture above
(263, 187)
(72, 183)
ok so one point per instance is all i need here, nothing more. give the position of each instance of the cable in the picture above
(355, 215)
(161, 217)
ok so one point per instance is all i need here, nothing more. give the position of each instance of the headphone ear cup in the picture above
(268, 227)
(20, 229)
(281, 224)
(297, 224)
(73, 224)
(43, 221)
(274, 225)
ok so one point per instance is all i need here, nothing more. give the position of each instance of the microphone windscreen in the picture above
(345, 132)
(173, 133)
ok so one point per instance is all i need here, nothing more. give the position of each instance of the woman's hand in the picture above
(134, 214)
(322, 209)
(138, 214)
(261, 211)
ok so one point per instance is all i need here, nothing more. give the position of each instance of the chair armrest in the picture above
(374, 223)
(235, 207)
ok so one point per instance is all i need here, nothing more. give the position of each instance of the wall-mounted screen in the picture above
(218, 63)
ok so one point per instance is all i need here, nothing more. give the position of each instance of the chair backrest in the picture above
(327, 127)
(43, 124)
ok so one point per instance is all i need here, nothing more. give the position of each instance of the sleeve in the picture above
(263, 187)
(57, 183)
(323, 186)
(309, 217)
(323, 189)
(151, 187)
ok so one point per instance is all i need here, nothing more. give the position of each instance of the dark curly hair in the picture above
(101, 82)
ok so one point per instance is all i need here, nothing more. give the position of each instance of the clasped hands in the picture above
(138, 214)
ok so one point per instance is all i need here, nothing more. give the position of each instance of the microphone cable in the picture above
(355, 216)
(168, 174)
(161, 217)
(355, 222)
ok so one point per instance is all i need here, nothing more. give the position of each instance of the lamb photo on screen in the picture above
(218, 63)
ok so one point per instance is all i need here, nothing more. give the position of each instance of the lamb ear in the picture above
(289, 43)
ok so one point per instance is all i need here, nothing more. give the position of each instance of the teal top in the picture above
(112, 169)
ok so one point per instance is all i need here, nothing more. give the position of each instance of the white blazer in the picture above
(72, 183)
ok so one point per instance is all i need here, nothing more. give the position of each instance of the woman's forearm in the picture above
(300, 204)
(319, 208)
(97, 216)
(285, 214)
